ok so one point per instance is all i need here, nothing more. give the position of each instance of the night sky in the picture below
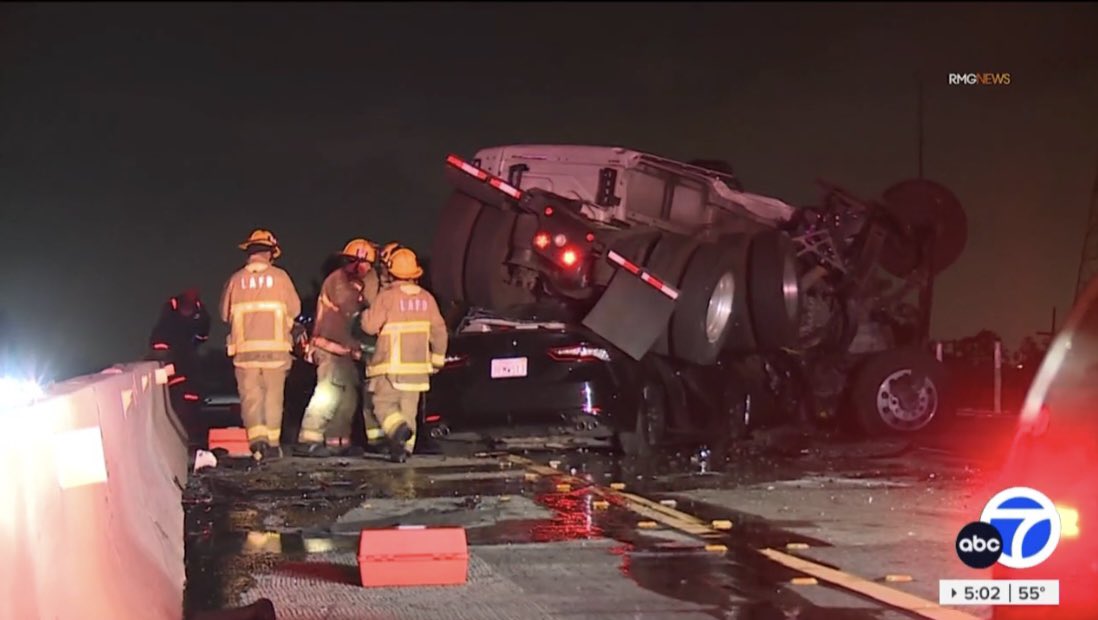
(140, 143)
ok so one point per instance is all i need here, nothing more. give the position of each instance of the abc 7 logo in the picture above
(1019, 528)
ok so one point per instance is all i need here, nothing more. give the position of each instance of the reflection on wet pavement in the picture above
(282, 518)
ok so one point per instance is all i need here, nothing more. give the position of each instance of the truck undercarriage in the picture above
(830, 303)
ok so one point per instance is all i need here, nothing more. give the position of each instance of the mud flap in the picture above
(630, 315)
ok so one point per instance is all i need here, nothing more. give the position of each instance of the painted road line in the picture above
(694, 526)
(889, 596)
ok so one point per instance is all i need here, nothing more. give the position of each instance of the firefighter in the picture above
(260, 303)
(326, 427)
(183, 326)
(411, 346)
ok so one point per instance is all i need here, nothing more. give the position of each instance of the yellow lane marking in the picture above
(884, 594)
(692, 525)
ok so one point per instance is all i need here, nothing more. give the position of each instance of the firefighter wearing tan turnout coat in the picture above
(411, 346)
(260, 304)
(345, 292)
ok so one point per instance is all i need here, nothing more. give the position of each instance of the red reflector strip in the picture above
(505, 188)
(190, 397)
(177, 380)
(467, 168)
(644, 276)
(433, 418)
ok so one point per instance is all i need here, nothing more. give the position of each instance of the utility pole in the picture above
(1088, 261)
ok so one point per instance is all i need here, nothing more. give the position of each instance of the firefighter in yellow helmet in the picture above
(411, 346)
(384, 257)
(260, 304)
(326, 427)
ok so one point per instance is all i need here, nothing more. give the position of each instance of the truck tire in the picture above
(741, 335)
(773, 288)
(879, 402)
(702, 320)
(668, 262)
(485, 260)
(455, 228)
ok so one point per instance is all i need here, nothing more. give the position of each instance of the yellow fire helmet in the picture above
(387, 251)
(403, 264)
(360, 249)
(265, 238)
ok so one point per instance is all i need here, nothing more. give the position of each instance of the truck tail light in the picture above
(569, 257)
(541, 240)
(579, 353)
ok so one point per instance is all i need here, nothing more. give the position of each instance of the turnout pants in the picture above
(394, 409)
(261, 397)
(331, 410)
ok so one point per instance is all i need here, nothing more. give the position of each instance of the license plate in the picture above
(509, 367)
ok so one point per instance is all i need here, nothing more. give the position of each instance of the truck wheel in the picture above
(703, 320)
(741, 335)
(774, 291)
(668, 262)
(651, 422)
(455, 228)
(898, 392)
(486, 258)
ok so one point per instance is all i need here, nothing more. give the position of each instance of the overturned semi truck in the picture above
(676, 262)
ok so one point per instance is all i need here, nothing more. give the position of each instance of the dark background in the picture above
(140, 143)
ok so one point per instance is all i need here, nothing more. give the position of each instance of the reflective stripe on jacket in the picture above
(260, 304)
(412, 336)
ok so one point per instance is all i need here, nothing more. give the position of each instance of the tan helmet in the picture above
(264, 238)
(387, 251)
(403, 264)
(360, 249)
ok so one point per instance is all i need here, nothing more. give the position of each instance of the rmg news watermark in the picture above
(979, 79)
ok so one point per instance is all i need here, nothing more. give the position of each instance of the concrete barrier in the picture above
(91, 519)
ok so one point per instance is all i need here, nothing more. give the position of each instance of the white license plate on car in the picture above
(508, 367)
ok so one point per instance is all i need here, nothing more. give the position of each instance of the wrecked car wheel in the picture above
(451, 242)
(898, 392)
(703, 318)
(774, 291)
(650, 425)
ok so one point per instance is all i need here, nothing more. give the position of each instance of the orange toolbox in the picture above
(235, 440)
(413, 556)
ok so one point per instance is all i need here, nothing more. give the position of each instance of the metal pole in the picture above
(998, 377)
(938, 350)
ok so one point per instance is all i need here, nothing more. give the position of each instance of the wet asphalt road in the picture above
(287, 530)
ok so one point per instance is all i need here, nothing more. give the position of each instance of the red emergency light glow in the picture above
(569, 257)
(176, 380)
(175, 304)
(541, 240)
(190, 397)
(433, 418)
(161, 346)
(548, 211)
(590, 237)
